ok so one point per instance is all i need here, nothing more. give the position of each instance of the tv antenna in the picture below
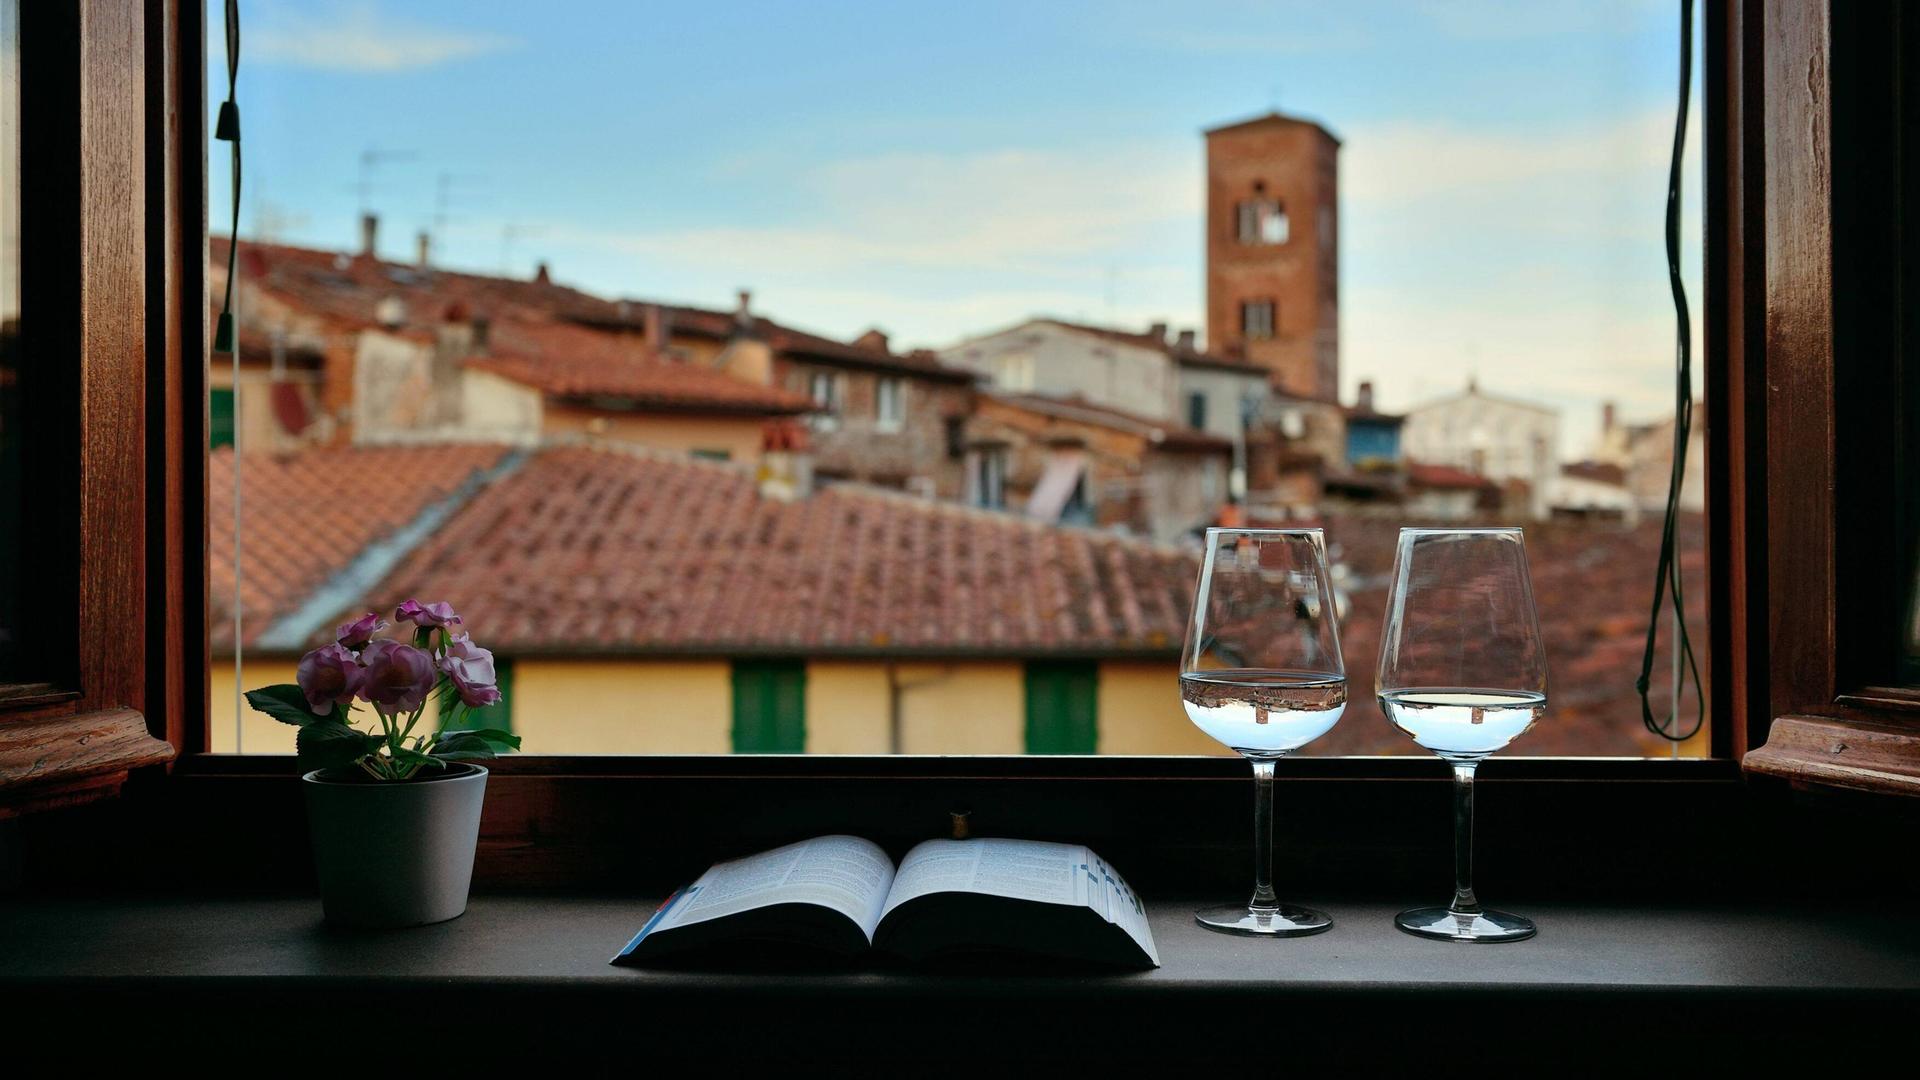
(510, 235)
(370, 159)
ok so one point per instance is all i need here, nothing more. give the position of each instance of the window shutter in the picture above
(220, 417)
(769, 707)
(1063, 707)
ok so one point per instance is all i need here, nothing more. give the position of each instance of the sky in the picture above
(942, 170)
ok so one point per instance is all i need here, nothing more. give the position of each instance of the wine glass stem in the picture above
(1263, 897)
(1464, 902)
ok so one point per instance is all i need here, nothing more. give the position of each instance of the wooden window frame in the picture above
(115, 233)
(1817, 312)
(555, 819)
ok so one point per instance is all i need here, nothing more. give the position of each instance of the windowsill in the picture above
(1609, 979)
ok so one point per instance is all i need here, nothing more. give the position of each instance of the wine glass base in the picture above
(1286, 920)
(1447, 925)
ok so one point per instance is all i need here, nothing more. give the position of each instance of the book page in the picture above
(1034, 870)
(844, 873)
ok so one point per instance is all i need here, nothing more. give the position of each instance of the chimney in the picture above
(424, 249)
(540, 275)
(654, 326)
(1158, 332)
(1364, 400)
(1606, 417)
(369, 233)
(875, 338)
(1186, 341)
(743, 313)
(786, 469)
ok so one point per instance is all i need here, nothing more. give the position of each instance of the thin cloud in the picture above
(996, 211)
(362, 39)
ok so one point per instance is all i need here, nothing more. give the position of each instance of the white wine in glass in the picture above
(1463, 672)
(1261, 674)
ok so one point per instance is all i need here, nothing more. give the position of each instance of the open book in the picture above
(842, 894)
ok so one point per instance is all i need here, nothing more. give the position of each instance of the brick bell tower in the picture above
(1273, 250)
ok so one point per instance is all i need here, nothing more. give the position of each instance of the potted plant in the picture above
(394, 813)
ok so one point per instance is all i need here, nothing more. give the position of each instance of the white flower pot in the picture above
(394, 853)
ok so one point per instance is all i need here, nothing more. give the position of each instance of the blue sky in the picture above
(944, 169)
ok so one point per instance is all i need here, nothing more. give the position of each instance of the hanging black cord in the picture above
(1667, 575)
(227, 129)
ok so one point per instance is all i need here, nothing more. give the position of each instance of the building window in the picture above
(889, 403)
(1063, 706)
(1261, 221)
(990, 478)
(1013, 372)
(769, 706)
(219, 417)
(1256, 319)
(1196, 410)
(827, 389)
(824, 388)
(709, 454)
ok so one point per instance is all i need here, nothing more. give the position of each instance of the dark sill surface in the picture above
(543, 959)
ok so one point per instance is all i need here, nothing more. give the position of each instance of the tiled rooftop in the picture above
(1592, 583)
(595, 551)
(1158, 432)
(567, 360)
(306, 516)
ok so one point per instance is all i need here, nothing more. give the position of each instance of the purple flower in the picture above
(329, 676)
(437, 614)
(471, 669)
(398, 676)
(361, 630)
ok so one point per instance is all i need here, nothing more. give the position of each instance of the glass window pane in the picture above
(613, 382)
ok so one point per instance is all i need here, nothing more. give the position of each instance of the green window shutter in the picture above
(219, 417)
(1063, 706)
(769, 706)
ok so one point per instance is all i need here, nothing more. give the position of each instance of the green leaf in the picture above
(329, 744)
(414, 757)
(473, 743)
(286, 704)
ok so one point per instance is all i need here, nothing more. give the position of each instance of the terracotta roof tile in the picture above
(306, 516)
(1158, 432)
(1425, 475)
(566, 360)
(601, 550)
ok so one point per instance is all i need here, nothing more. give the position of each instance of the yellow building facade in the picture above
(643, 706)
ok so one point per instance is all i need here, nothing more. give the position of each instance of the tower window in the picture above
(1256, 319)
(1261, 221)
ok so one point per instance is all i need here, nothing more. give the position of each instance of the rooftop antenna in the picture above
(511, 234)
(443, 191)
(370, 159)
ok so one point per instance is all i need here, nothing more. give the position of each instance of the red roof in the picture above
(1158, 432)
(350, 289)
(1420, 474)
(565, 360)
(599, 550)
(307, 516)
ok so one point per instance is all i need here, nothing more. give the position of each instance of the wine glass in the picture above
(1261, 673)
(1463, 671)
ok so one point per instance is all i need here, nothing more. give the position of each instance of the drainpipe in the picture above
(896, 692)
